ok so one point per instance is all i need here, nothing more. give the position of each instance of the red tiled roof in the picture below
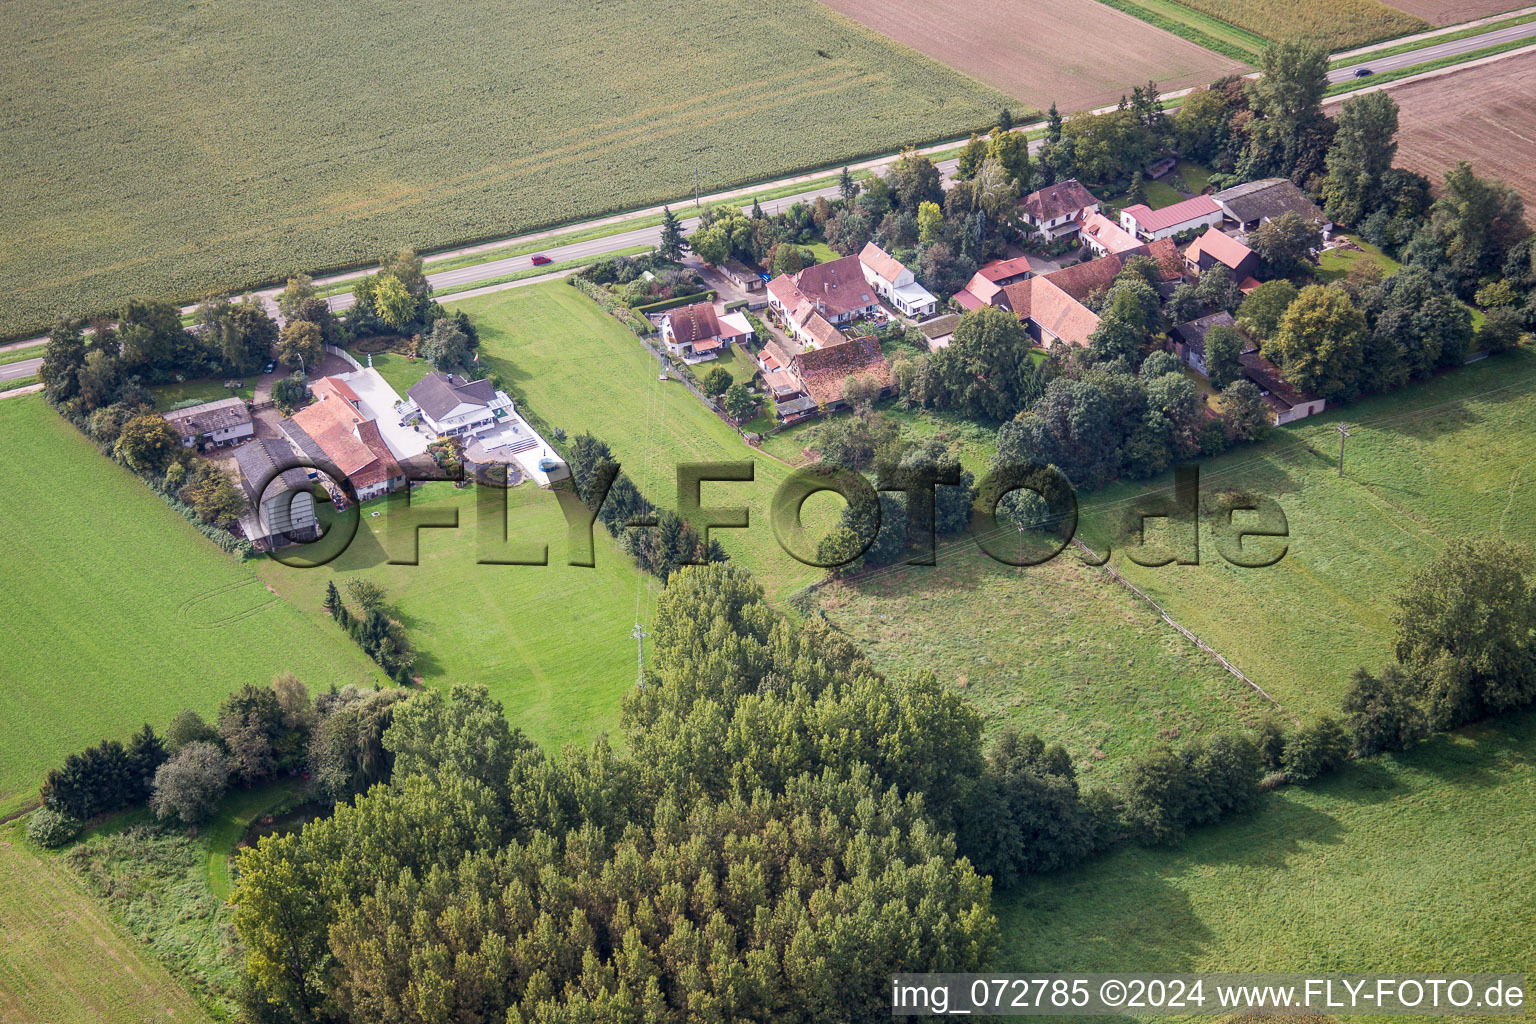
(694, 323)
(1054, 301)
(1107, 233)
(1248, 285)
(1151, 220)
(998, 270)
(348, 440)
(822, 331)
(1057, 200)
(1220, 246)
(835, 288)
(969, 299)
(336, 385)
(885, 266)
(824, 370)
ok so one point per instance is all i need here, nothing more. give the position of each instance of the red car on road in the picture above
(541, 260)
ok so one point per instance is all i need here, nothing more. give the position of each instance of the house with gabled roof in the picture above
(1054, 306)
(336, 430)
(1056, 210)
(696, 333)
(1189, 339)
(1104, 236)
(1216, 247)
(282, 502)
(987, 284)
(1254, 202)
(451, 405)
(1287, 402)
(226, 421)
(835, 291)
(894, 283)
(1147, 223)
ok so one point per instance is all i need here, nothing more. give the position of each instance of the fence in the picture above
(1207, 648)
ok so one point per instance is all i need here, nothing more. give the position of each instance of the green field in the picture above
(1055, 649)
(1449, 457)
(1201, 29)
(118, 612)
(1335, 24)
(169, 150)
(1417, 863)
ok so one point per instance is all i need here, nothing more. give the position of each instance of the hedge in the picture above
(675, 301)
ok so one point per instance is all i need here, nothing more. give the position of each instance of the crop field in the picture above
(1477, 115)
(1299, 627)
(118, 612)
(166, 149)
(1400, 864)
(1453, 12)
(1336, 24)
(1079, 53)
(61, 958)
(579, 369)
(1056, 649)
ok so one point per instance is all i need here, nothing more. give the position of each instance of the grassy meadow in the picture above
(118, 612)
(1336, 24)
(1449, 457)
(169, 150)
(1412, 863)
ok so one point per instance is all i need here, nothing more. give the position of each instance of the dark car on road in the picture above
(541, 260)
(1363, 72)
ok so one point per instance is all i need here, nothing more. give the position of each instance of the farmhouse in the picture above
(225, 421)
(834, 291)
(1104, 236)
(697, 333)
(985, 287)
(1285, 400)
(1052, 305)
(1145, 222)
(450, 405)
(1055, 211)
(806, 382)
(1216, 247)
(1255, 202)
(1189, 339)
(337, 430)
(894, 283)
(282, 503)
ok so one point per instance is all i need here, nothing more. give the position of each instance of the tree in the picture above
(63, 360)
(50, 829)
(190, 785)
(1223, 345)
(188, 727)
(152, 339)
(930, 219)
(1363, 147)
(368, 594)
(1382, 711)
(1501, 330)
(986, 362)
(716, 381)
(147, 443)
(300, 346)
(1075, 427)
(462, 735)
(944, 271)
(1286, 243)
(849, 230)
(1314, 750)
(1320, 341)
(1243, 409)
(1107, 146)
(1218, 291)
(250, 720)
(1289, 126)
(846, 186)
(406, 267)
(393, 302)
(785, 258)
(914, 180)
(447, 348)
(1137, 195)
(672, 244)
(1011, 151)
(288, 393)
(1477, 221)
(1465, 625)
(216, 499)
(1201, 128)
(738, 401)
(1261, 311)
(298, 289)
(970, 158)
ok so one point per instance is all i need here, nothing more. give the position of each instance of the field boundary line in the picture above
(1163, 612)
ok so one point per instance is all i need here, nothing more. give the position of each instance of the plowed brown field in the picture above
(1079, 53)
(1483, 115)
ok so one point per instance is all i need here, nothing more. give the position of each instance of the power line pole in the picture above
(1343, 429)
(639, 636)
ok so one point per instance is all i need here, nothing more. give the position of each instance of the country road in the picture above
(20, 368)
(1432, 52)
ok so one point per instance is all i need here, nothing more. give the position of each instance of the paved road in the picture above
(18, 369)
(1434, 51)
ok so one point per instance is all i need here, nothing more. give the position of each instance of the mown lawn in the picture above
(458, 122)
(62, 958)
(118, 612)
(1417, 863)
(1446, 458)
(1055, 649)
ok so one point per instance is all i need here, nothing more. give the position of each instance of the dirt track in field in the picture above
(1079, 53)
(1452, 12)
(1482, 115)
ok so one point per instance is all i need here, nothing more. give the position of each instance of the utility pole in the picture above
(1020, 528)
(1343, 429)
(640, 635)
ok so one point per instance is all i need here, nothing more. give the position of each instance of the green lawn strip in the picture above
(119, 612)
(1200, 29)
(1300, 627)
(235, 816)
(1390, 865)
(20, 354)
(553, 268)
(1381, 78)
(1449, 37)
(18, 382)
(203, 389)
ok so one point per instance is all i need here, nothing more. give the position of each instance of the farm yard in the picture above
(1335, 24)
(1453, 12)
(1481, 115)
(1299, 627)
(1397, 863)
(167, 150)
(1078, 53)
(118, 611)
(1056, 649)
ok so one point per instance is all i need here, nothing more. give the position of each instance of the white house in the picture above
(1054, 211)
(1145, 222)
(225, 421)
(696, 333)
(895, 283)
(827, 295)
(451, 405)
(1104, 236)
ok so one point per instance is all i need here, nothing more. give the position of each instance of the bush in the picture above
(51, 829)
(189, 785)
(1383, 714)
(1315, 750)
